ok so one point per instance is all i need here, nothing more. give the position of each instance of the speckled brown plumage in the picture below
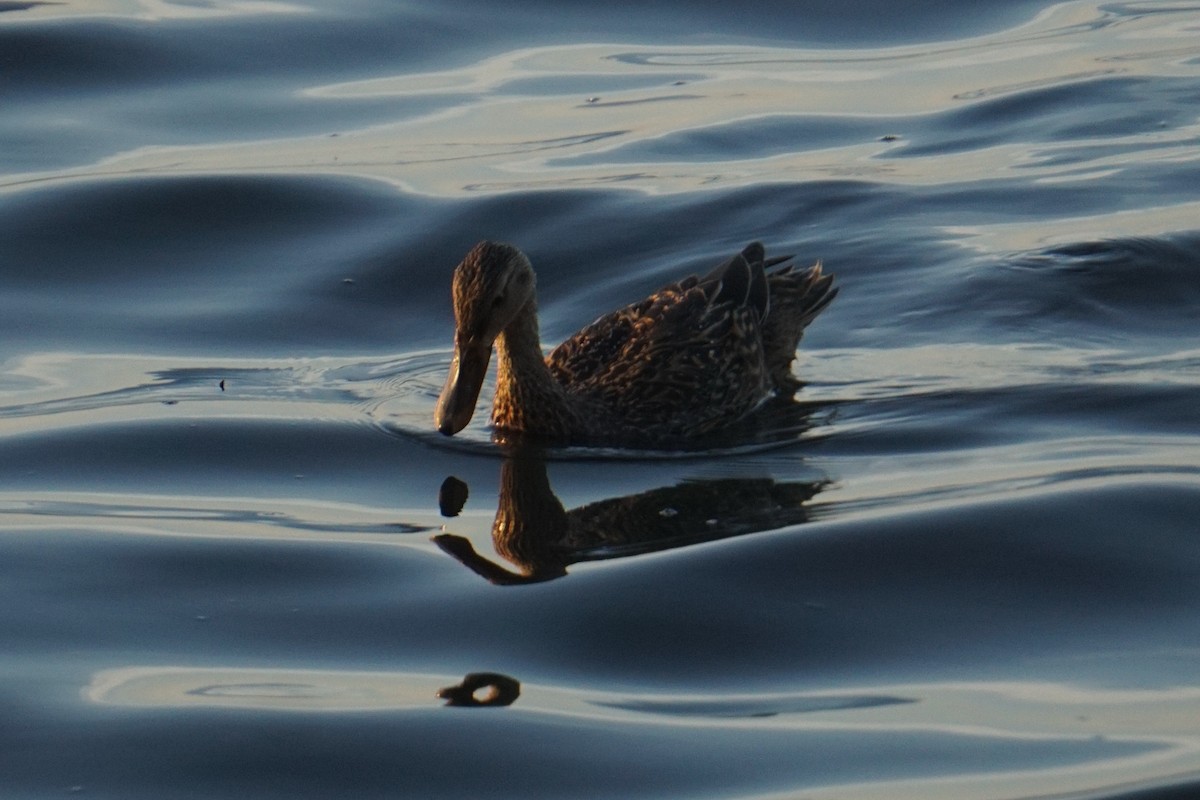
(694, 357)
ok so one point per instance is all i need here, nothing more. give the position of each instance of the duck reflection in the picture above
(541, 539)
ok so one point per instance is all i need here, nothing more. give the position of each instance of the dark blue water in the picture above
(967, 565)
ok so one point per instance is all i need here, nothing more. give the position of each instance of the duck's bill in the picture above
(461, 392)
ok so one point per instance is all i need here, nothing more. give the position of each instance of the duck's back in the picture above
(682, 362)
(696, 355)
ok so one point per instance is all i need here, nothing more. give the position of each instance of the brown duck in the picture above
(694, 357)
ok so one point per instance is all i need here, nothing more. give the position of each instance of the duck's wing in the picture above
(739, 281)
(594, 347)
(687, 358)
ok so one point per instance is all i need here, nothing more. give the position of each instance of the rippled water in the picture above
(966, 565)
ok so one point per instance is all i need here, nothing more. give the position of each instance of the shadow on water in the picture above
(541, 539)
(1117, 290)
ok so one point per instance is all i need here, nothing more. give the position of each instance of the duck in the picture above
(697, 356)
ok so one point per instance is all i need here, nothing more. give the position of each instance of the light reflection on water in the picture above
(494, 140)
(1154, 727)
(1008, 237)
(156, 10)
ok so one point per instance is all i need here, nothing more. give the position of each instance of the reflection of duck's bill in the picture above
(461, 392)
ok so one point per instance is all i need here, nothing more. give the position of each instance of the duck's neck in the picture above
(527, 396)
(519, 347)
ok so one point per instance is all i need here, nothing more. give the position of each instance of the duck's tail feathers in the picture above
(797, 297)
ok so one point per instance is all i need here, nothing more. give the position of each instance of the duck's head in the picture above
(491, 286)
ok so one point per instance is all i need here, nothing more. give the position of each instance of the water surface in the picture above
(966, 565)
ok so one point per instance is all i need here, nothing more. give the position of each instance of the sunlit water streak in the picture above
(502, 127)
(1154, 728)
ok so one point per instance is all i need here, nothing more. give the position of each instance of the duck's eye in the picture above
(498, 300)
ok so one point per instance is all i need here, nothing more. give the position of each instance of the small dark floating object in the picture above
(891, 137)
(452, 496)
(222, 384)
(501, 690)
